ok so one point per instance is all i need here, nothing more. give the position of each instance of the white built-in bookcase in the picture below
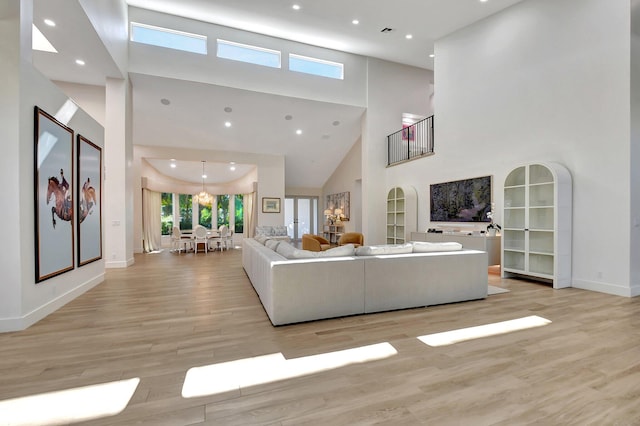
(536, 236)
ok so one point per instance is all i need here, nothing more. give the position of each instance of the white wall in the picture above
(109, 18)
(346, 178)
(635, 145)
(543, 81)
(22, 302)
(88, 97)
(393, 89)
(210, 69)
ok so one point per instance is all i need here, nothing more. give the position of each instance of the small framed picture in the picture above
(270, 205)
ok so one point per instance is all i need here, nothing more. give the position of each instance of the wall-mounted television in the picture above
(467, 200)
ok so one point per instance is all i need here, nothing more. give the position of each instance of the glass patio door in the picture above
(300, 216)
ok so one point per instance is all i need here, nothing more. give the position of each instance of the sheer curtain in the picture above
(249, 214)
(151, 224)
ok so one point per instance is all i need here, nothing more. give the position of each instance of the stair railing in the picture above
(411, 142)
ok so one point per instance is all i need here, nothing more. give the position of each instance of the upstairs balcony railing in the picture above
(412, 142)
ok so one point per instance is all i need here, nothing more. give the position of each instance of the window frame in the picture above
(172, 32)
(248, 47)
(310, 59)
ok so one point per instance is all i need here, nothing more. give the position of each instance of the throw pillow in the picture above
(285, 249)
(279, 231)
(290, 252)
(426, 247)
(345, 250)
(261, 239)
(263, 230)
(272, 244)
(384, 249)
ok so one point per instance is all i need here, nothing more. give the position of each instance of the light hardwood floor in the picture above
(168, 313)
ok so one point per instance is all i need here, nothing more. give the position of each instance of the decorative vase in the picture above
(492, 232)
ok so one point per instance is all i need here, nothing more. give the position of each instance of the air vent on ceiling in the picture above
(386, 30)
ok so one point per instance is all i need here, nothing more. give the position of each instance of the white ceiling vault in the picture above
(193, 116)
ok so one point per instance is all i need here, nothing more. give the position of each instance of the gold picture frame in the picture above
(270, 205)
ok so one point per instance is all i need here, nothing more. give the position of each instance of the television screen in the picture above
(467, 200)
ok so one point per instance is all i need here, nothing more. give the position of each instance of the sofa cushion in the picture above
(261, 239)
(290, 252)
(272, 244)
(345, 250)
(425, 247)
(384, 249)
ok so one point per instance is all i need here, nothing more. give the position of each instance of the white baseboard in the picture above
(119, 264)
(616, 290)
(21, 323)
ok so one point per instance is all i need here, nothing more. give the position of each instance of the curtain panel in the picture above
(151, 221)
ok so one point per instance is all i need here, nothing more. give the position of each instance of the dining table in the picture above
(212, 234)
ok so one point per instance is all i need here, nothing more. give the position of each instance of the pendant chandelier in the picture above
(203, 198)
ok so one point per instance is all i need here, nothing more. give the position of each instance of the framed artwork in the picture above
(89, 204)
(340, 201)
(53, 191)
(270, 205)
(409, 132)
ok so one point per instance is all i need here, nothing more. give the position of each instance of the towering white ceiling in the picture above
(195, 116)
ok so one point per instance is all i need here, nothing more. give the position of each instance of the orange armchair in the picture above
(314, 243)
(355, 238)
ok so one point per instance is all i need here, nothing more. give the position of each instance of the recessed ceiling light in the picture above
(227, 124)
(165, 101)
(336, 123)
(232, 168)
(432, 55)
(483, 1)
(408, 36)
(228, 109)
(288, 117)
(232, 162)
(80, 62)
(355, 22)
(49, 22)
(296, 7)
(298, 132)
(173, 165)
(204, 176)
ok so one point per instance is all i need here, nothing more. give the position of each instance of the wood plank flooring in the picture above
(168, 313)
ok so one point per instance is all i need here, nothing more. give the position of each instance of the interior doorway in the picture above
(300, 216)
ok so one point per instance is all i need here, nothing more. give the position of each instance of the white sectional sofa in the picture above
(297, 290)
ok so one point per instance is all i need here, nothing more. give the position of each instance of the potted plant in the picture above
(493, 227)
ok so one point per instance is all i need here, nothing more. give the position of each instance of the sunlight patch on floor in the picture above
(68, 406)
(463, 334)
(234, 375)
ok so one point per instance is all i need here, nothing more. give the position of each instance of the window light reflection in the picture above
(70, 405)
(463, 334)
(235, 375)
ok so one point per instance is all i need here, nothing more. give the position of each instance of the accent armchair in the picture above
(355, 238)
(314, 243)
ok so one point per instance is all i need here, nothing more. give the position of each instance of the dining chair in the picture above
(178, 241)
(229, 240)
(223, 232)
(200, 237)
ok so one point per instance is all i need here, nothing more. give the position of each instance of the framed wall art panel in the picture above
(340, 201)
(89, 205)
(270, 205)
(53, 196)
